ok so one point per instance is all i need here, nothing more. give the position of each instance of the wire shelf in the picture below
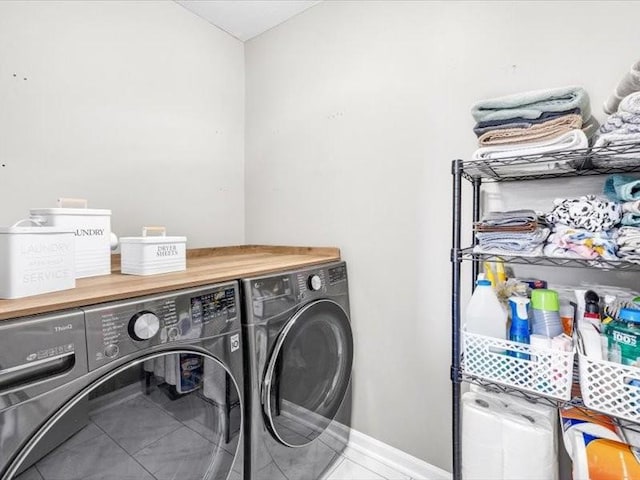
(529, 396)
(620, 158)
(605, 265)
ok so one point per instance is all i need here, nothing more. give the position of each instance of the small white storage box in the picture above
(92, 230)
(153, 254)
(35, 260)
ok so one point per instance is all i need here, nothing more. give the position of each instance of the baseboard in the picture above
(397, 459)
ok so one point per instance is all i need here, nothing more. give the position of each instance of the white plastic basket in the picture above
(607, 387)
(545, 372)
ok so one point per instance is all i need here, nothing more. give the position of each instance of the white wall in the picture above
(136, 106)
(354, 111)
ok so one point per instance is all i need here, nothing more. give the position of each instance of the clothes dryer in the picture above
(298, 356)
(144, 389)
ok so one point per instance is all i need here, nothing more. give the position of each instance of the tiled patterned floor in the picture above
(167, 441)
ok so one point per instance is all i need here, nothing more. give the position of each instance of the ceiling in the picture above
(246, 19)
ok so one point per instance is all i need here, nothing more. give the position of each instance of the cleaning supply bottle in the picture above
(545, 313)
(519, 331)
(484, 314)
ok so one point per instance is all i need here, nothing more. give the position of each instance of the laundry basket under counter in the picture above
(153, 253)
(541, 371)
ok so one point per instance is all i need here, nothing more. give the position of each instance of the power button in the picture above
(111, 350)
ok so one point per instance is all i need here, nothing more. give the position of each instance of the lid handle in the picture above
(29, 221)
(154, 231)
(73, 203)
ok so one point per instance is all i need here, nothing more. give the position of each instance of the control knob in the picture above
(315, 282)
(144, 326)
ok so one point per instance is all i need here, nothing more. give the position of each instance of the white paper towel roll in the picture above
(481, 437)
(529, 449)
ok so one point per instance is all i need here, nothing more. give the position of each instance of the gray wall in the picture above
(354, 111)
(136, 106)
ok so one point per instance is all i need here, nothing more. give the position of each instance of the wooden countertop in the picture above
(204, 266)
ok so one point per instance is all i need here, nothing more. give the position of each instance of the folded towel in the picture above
(610, 139)
(535, 133)
(533, 251)
(630, 83)
(572, 140)
(588, 212)
(622, 188)
(629, 244)
(509, 218)
(621, 122)
(519, 122)
(630, 104)
(532, 104)
(511, 241)
(631, 207)
(631, 220)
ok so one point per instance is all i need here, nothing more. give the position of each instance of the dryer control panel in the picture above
(121, 328)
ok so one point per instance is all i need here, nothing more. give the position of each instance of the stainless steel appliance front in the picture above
(144, 389)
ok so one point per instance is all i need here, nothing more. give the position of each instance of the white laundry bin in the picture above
(153, 253)
(92, 231)
(35, 260)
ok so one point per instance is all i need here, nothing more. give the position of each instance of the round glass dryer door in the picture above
(308, 373)
(170, 416)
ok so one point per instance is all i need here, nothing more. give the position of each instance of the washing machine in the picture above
(144, 389)
(298, 360)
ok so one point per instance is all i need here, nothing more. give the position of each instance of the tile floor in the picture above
(141, 438)
(168, 440)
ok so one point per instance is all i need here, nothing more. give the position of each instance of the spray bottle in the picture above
(519, 331)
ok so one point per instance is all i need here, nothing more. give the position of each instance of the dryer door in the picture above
(308, 373)
(173, 415)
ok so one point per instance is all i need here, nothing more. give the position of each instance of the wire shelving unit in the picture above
(622, 158)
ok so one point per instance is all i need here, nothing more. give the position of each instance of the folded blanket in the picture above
(588, 212)
(532, 104)
(572, 140)
(614, 138)
(519, 122)
(509, 218)
(629, 244)
(631, 220)
(512, 241)
(535, 133)
(630, 83)
(630, 104)
(582, 242)
(533, 251)
(622, 188)
(621, 122)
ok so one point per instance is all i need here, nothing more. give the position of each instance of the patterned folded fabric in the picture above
(533, 104)
(583, 243)
(589, 213)
(629, 244)
(540, 132)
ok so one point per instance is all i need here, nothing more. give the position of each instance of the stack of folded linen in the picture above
(625, 190)
(583, 227)
(622, 126)
(517, 232)
(530, 123)
(630, 83)
(629, 244)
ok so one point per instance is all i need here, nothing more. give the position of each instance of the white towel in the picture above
(575, 139)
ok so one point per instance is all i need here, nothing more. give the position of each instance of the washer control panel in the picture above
(118, 329)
